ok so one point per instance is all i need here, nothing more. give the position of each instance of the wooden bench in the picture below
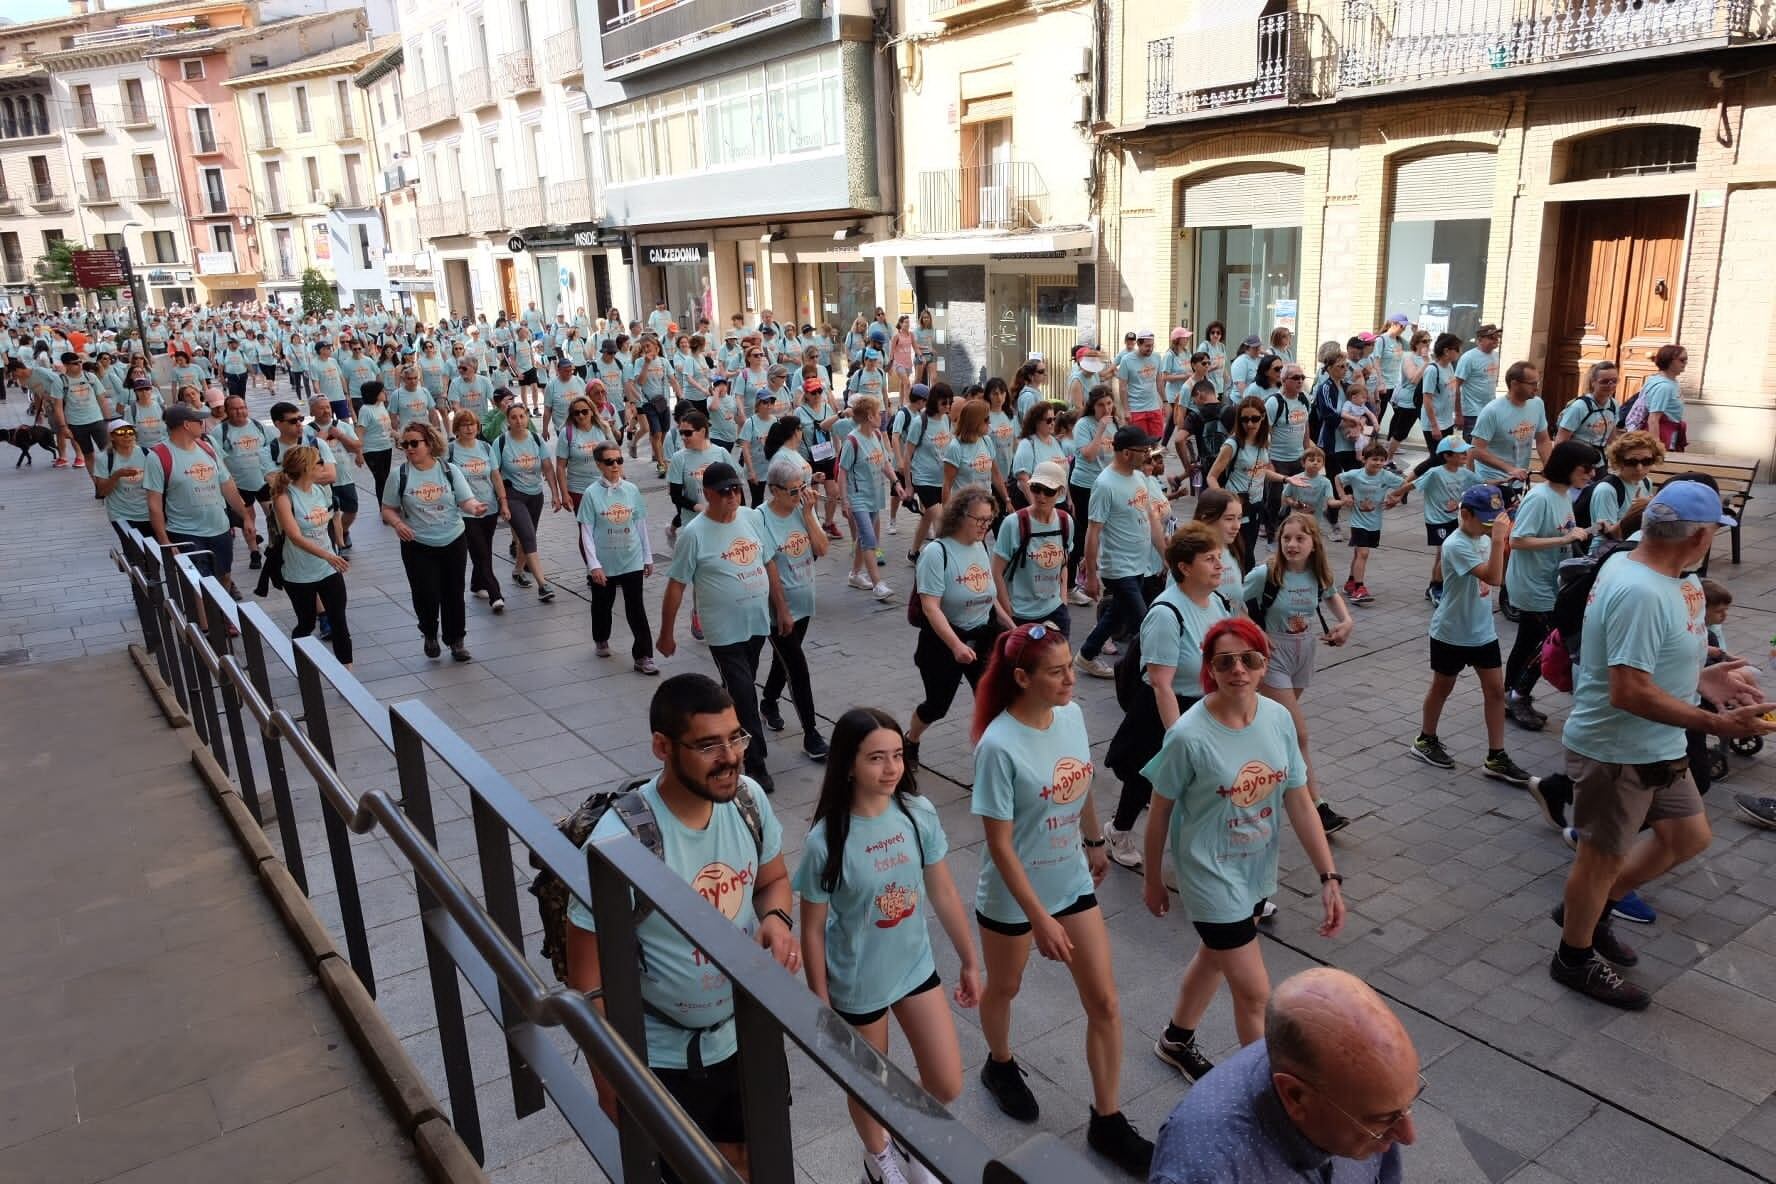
(1734, 477)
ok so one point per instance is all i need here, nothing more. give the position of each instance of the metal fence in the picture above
(217, 657)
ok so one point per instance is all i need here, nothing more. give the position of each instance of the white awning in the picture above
(1011, 246)
(1218, 45)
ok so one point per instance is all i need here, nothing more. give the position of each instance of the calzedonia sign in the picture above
(679, 253)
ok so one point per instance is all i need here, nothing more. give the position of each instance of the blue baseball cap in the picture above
(1686, 501)
(1484, 501)
(1451, 444)
(872, 355)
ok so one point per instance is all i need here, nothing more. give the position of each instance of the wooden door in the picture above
(508, 278)
(1616, 287)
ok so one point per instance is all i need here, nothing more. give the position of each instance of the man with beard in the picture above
(718, 832)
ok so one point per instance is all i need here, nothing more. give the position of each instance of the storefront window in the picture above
(1248, 279)
(846, 289)
(1436, 273)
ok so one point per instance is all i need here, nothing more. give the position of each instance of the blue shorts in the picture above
(345, 497)
(215, 553)
(864, 523)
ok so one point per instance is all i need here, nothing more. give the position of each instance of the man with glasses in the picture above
(1326, 1095)
(726, 557)
(1506, 429)
(1475, 381)
(1287, 410)
(1123, 523)
(470, 390)
(411, 403)
(328, 380)
(709, 824)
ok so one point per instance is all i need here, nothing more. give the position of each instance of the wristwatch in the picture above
(782, 915)
(1092, 842)
(1328, 877)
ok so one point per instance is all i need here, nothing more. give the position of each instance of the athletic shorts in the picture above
(1436, 532)
(1405, 418)
(345, 497)
(929, 495)
(657, 414)
(711, 1097)
(858, 1019)
(1292, 660)
(268, 370)
(215, 553)
(1020, 928)
(826, 468)
(1364, 538)
(528, 378)
(1612, 802)
(88, 437)
(1226, 935)
(1451, 660)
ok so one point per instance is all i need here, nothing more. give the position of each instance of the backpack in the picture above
(1129, 667)
(1582, 504)
(1560, 652)
(1214, 434)
(1417, 388)
(1592, 411)
(1634, 414)
(1259, 608)
(165, 454)
(1026, 531)
(915, 606)
(401, 479)
(551, 892)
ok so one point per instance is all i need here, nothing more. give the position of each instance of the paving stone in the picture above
(1645, 1084)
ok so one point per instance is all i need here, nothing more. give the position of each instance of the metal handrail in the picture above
(189, 622)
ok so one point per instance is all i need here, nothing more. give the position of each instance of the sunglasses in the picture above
(611, 462)
(1635, 462)
(1250, 659)
(792, 490)
(412, 443)
(296, 422)
(1046, 419)
(1251, 419)
(582, 411)
(123, 431)
(1044, 491)
(1039, 373)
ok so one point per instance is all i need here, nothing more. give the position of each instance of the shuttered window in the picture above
(1445, 186)
(1260, 199)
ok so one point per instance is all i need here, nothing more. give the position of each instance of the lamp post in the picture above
(136, 296)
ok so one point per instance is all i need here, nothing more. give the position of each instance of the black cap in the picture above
(608, 347)
(1131, 437)
(720, 477)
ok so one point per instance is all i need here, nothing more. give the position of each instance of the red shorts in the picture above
(1151, 422)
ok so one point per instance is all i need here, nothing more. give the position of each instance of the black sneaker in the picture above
(1609, 947)
(1184, 1056)
(1005, 1081)
(1331, 821)
(1522, 712)
(460, 653)
(772, 714)
(1430, 750)
(522, 580)
(431, 648)
(1553, 796)
(1503, 768)
(1759, 811)
(255, 561)
(545, 593)
(815, 747)
(1599, 980)
(1115, 1138)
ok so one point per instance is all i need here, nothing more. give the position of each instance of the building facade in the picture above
(1597, 180)
(36, 193)
(407, 262)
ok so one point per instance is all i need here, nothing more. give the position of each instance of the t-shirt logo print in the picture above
(975, 579)
(741, 552)
(617, 514)
(796, 545)
(1252, 784)
(895, 902)
(1048, 555)
(200, 471)
(723, 887)
(1695, 605)
(1072, 778)
(981, 464)
(428, 493)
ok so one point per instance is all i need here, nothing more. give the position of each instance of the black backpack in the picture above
(1259, 608)
(551, 893)
(1582, 504)
(1573, 590)
(1130, 667)
(1418, 386)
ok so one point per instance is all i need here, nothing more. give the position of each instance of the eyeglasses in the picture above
(978, 520)
(792, 490)
(1251, 419)
(296, 422)
(1635, 462)
(611, 462)
(1046, 419)
(1039, 373)
(710, 749)
(1250, 659)
(1392, 1120)
(411, 443)
(582, 411)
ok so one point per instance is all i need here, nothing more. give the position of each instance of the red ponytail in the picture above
(1243, 628)
(1023, 648)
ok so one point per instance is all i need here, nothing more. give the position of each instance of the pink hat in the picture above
(1365, 335)
(1180, 334)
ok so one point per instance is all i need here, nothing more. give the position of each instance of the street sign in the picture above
(515, 244)
(98, 269)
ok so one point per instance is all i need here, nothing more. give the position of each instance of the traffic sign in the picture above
(98, 269)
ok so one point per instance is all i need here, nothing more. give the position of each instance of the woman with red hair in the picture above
(1045, 859)
(1227, 768)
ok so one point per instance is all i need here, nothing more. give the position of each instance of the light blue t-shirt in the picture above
(1367, 493)
(1310, 499)
(1175, 365)
(1288, 425)
(1589, 421)
(246, 453)
(787, 541)
(961, 576)
(410, 406)
(1439, 397)
(725, 562)
(149, 421)
(973, 463)
(1531, 576)
(1479, 372)
(477, 463)
(860, 458)
(192, 500)
(377, 428)
(429, 504)
(1224, 826)
(1296, 607)
(1607, 506)
(1242, 372)
(1039, 582)
(616, 515)
(1121, 504)
(752, 435)
(1442, 488)
(1388, 349)
(687, 466)
(1140, 377)
(1640, 619)
(1086, 468)
(1464, 615)
(1033, 450)
(1038, 781)
(878, 946)
(1243, 460)
(929, 437)
(521, 460)
(313, 512)
(1508, 431)
(722, 863)
(577, 446)
(1660, 394)
(80, 404)
(128, 499)
(1176, 641)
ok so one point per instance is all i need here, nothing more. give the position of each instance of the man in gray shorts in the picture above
(1635, 691)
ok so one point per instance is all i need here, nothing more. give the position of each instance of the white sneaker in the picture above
(883, 1168)
(1110, 649)
(893, 529)
(916, 1172)
(1079, 598)
(858, 579)
(1124, 848)
(1096, 667)
(480, 594)
(882, 591)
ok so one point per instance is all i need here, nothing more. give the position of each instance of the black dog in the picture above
(28, 435)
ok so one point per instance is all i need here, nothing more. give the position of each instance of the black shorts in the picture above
(1226, 935)
(345, 497)
(1020, 928)
(1405, 419)
(1436, 532)
(88, 437)
(269, 370)
(657, 414)
(1364, 538)
(711, 1096)
(528, 378)
(928, 495)
(1451, 660)
(262, 495)
(858, 1019)
(826, 468)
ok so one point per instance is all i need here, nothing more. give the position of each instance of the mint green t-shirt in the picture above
(1175, 639)
(973, 463)
(521, 460)
(1296, 607)
(929, 438)
(313, 512)
(1647, 621)
(193, 501)
(1442, 488)
(687, 466)
(128, 499)
(429, 503)
(616, 515)
(1367, 494)
(1479, 372)
(722, 863)
(1508, 431)
(477, 463)
(1039, 582)
(1121, 503)
(149, 422)
(1038, 781)
(961, 576)
(1530, 576)
(860, 457)
(1660, 394)
(577, 447)
(246, 452)
(374, 423)
(1464, 615)
(1224, 827)
(787, 541)
(725, 562)
(878, 946)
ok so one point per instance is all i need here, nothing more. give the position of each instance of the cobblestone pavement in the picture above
(1450, 876)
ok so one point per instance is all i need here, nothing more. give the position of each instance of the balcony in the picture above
(1402, 43)
(12, 271)
(8, 204)
(148, 193)
(431, 106)
(134, 118)
(95, 195)
(442, 219)
(1293, 62)
(474, 89)
(208, 146)
(85, 121)
(637, 37)
(1007, 196)
(345, 128)
(524, 206)
(570, 202)
(947, 12)
(275, 205)
(216, 263)
(517, 71)
(262, 140)
(281, 272)
(407, 267)
(487, 213)
(47, 197)
(561, 56)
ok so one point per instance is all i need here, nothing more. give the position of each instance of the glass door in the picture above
(1247, 278)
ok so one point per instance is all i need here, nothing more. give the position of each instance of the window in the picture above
(161, 248)
(222, 238)
(257, 61)
(203, 131)
(97, 179)
(523, 22)
(381, 115)
(215, 195)
(51, 238)
(538, 164)
(299, 96)
(274, 186)
(191, 69)
(354, 180)
(262, 105)
(395, 96)
(135, 104)
(148, 170)
(364, 246)
(86, 112)
(342, 99)
(1633, 152)
(110, 242)
(1437, 239)
(311, 167)
(482, 57)
(41, 188)
(286, 254)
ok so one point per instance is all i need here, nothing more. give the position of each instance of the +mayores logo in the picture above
(618, 513)
(1072, 777)
(741, 552)
(1048, 555)
(975, 579)
(1253, 783)
(722, 887)
(796, 545)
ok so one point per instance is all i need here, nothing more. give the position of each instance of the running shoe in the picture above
(1114, 1138)
(1758, 811)
(1266, 910)
(522, 580)
(480, 593)
(1125, 848)
(498, 605)
(1570, 836)
(1632, 909)
(1503, 768)
(1184, 1056)
(602, 649)
(1331, 821)
(1109, 649)
(1005, 1082)
(892, 529)
(883, 1168)
(1429, 749)
(545, 593)
(1363, 595)
(1521, 711)
(1599, 980)
(1609, 947)
(833, 532)
(1078, 597)
(431, 647)
(1337, 532)
(1096, 667)
(772, 715)
(460, 653)
(59, 463)
(860, 580)
(1552, 801)
(1436, 593)
(815, 747)
(80, 462)
(646, 666)
(255, 561)
(882, 591)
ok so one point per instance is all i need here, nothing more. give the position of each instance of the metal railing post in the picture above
(202, 708)
(339, 844)
(215, 627)
(453, 1039)
(149, 553)
(172, 612)
(764, 1068)
(253, 646)
(493, 844)
(619, 965)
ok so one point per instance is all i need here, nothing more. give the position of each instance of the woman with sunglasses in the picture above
(117, 472)
(1242, 466)
(575, 466)
(313, 570)
(424, 505)
(792, 532)
(475, 457)
(969, 458)
(1028, 383)
(522, 460)
(1626, 490)
(922, 446)
(1214, 343)
(614, 539)
(754, 377)
(1045, 858)
(1225, 772)
(1037, 442)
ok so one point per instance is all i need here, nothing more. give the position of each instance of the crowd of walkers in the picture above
(1024, 502)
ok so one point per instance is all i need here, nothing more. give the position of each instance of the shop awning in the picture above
(1062, 240)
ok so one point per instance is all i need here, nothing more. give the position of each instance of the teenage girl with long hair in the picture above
(1225, 514)
(872, 871)
(1242, 466)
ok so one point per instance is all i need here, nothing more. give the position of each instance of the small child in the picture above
(1372, 489)
(1310, 491)
(1443, 487)
(1357, 421)
(1716, 600)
